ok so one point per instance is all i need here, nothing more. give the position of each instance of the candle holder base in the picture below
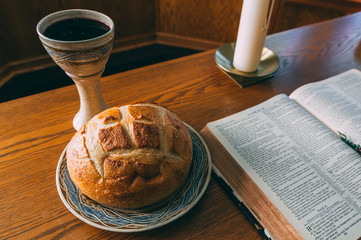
(269, 64)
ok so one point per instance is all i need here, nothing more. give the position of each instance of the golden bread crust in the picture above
(131, 156)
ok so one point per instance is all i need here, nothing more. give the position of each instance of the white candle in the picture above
(251, 35)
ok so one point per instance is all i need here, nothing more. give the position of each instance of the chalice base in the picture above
(91, 98)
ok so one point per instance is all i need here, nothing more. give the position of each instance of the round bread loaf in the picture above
(131, 156)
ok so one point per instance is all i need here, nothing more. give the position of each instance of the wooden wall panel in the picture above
(204, 24)
(211, 21)
(20, 47)
(292, 14)
(132, 18)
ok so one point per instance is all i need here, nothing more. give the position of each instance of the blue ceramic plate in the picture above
(109, 219)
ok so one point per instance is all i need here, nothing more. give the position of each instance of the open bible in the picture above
(284, 159)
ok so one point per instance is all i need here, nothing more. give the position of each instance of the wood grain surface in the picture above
(35, 130)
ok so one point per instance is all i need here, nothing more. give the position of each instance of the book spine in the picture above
(241, 205)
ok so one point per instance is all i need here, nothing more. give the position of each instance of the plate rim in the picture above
(179, 215)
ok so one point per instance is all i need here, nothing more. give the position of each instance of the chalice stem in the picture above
(91, 98)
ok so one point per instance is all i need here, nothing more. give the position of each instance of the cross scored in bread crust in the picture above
(125, 132)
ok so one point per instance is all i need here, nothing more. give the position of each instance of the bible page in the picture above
(296, 161)
(336, 102)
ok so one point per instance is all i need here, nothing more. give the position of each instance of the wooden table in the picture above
(35, 130)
